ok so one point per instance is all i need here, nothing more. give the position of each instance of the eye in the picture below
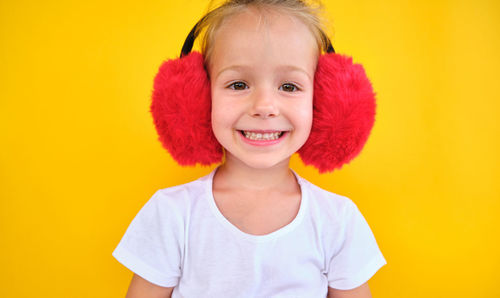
(289, 87)
(238, 86)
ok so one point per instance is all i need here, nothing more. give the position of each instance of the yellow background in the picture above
(79, 155)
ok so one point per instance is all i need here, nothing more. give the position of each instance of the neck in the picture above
(234, 174)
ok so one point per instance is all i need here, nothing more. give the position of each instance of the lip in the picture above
(263, 143)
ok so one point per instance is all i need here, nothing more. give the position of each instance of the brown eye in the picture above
(287, 87)
(238, 86)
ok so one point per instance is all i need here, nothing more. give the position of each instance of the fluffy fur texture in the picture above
(343, 113)
(181, 109)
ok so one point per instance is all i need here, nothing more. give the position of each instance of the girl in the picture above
(253, 228)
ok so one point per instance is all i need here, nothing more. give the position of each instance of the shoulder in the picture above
(180, 198)
(326, 203)
(186, 190)
(328, 208)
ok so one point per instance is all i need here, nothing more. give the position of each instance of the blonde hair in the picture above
(308, 13)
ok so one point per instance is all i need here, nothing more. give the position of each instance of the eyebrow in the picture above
(295, 69)
(285, 68)
(231, 67)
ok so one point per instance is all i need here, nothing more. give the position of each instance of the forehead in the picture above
(256, 34)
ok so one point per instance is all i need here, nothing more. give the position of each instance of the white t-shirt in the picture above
(180, 238)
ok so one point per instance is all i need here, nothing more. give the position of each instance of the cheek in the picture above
(215, 115)
(305, 113)
(307, 122)
(304, 118)
(220, 115)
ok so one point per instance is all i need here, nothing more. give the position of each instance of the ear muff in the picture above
(181, 110)
(343, 110)
(343, 113)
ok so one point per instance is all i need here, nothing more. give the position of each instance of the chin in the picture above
(262, 163)
(263, 166)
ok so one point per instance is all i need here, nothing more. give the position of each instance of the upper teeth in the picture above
(262, 136)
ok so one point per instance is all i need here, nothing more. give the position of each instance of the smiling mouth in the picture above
(262, 136)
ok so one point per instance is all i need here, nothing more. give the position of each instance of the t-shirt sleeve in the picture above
(153, 243)
(358, 256)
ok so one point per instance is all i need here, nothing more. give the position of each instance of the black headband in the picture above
(189, 42)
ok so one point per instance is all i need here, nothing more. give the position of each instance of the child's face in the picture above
(262, 73)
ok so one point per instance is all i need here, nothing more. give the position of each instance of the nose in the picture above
(264, 104)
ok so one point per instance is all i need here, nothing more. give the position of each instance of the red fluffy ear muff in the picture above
(181, 108)
(343, 110)
(343, 113)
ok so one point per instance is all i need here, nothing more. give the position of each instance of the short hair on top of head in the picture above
(306, 11)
